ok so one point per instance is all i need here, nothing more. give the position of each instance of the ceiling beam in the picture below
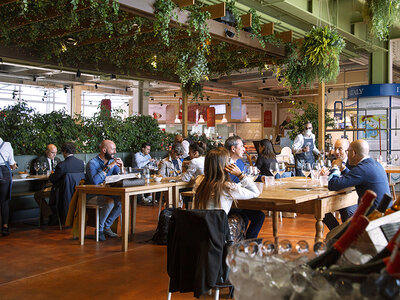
(5, 2)
(217, 30)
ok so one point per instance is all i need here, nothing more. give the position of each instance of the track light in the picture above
(127, 88)
(239, 94)
(229, 33)
(263, 80)
(95, 86)
(113, 76)
(65, 88)
(34, 78)
(175, 94)
(208, 98)
(78, 73)
(152, 98)
(329, 90)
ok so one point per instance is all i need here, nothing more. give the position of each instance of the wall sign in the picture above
(268, 118)
(236, 108)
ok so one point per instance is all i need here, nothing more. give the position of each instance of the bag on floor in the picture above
(160, 237)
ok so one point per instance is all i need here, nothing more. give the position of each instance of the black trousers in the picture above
(5, 180)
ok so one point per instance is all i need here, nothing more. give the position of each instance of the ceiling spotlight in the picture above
(152, 98)
(208, 98)
(329, 90)
(229, 33)
(175, 94)
(263, 80)
(95, 85)
(45, 93)
(78, 73)
(239, 94)
(34, 78)
(113, 76)
(127, 88)
(42, 99)
(65, 88)
(201, 98)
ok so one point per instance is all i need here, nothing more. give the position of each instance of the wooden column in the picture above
(184, 113)
(321, 117)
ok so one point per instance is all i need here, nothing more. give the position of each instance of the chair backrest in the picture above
(286, 151)
(196, 250)
(65, 191)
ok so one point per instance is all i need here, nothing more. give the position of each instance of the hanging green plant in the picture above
(231, 6)
(381, 15)
(256, 27)
(317, 59)
(163, 13)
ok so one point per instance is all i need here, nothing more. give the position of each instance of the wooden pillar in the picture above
(321, 117)
(184, 113)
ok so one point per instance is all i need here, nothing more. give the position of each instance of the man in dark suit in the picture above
(49, 159)
(71, 164)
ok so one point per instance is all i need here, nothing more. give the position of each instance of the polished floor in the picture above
(47, 263)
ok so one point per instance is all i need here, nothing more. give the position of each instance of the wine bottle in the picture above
(387, 251)
(388, 283)
(331, 255)
(365, 203)
(380, 210)
(367, 268)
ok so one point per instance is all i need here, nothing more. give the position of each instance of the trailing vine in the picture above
(231, 6)
(163, 13)
(256, 27)
(382, 14)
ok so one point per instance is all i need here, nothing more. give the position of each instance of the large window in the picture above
(44, 100)
(91, 102)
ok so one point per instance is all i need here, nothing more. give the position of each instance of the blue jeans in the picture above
(345, 213)
(256, 218)
(110, 210)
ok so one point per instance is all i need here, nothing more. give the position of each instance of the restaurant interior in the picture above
(206, 70)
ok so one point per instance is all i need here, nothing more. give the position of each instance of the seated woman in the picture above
(195, 168)
(172, 165)
(215, 189)
(266, 156)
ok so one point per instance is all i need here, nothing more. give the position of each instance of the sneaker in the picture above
(101, 236)
(4, 231)
(108, 232)
(148, 199)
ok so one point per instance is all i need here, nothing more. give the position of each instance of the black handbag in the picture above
(129, 182)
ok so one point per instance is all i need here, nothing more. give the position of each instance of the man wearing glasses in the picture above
(304, 148)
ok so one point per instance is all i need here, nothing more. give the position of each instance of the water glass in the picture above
(274, 168)
(28, 168)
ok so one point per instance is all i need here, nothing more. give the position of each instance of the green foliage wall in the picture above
(29, 131)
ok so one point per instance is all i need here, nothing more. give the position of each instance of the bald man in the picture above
(365, 174)
(50, 159)
(97, 169)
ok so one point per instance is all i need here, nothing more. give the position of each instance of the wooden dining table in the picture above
(125, 194)
(297, 195)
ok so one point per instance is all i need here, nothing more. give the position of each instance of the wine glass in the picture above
(28, 168)
(36, 166)
(274, 168)
(44, 168)
(306, 168)
(396, 157)
(281, 170)
(389, 159)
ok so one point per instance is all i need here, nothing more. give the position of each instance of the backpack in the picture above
(160, 237)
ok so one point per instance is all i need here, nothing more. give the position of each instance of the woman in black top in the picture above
(266, 156)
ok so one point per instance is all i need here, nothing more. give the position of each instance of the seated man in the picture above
(140, 160)
(70, 165)
(235, 146)
(172, 165)
(97, 169)
(51, 161)
(340, 151)
(365, 174)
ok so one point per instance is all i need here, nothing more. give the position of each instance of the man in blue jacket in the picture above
(236, 149)
(365, 174)
(97, 169)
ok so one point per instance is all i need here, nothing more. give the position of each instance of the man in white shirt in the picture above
(141, 160)
(304, 148)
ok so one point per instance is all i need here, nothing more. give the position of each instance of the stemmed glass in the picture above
(274, 168)
(44, 167)
(306, 168)
(396, 157)
(28, 168)
(389, 159)
(281, 170)
(36, 166)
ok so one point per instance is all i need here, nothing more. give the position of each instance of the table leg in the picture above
(319, 230)
(171, 200)
(82, 205)
(133, 225)
(176, 196)
(125, 221)
(275, 227)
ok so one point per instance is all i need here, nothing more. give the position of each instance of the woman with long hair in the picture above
(195, 168)
(215, 189)
(266, 156)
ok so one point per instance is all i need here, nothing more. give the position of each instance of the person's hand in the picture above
(263, 178)
(14, 166)
(337, 163)
(233, 169)
(324, 172)
(306, 148)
